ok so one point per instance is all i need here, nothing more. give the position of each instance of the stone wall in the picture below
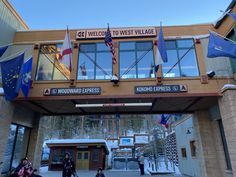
(36, 142)
(10, 113)
(227, 106)
(211, 151)
(6, 114)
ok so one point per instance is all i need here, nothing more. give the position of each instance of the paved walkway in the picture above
(107, 174)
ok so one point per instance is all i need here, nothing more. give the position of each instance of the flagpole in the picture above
(70, 56)
(34, 42)
(13, 55)
(29, 58)
(7, 45)
(223, 36)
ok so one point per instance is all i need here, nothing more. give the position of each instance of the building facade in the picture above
(180, 86)
(16, 122)
(86, 154)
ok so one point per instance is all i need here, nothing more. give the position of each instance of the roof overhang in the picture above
(160, 103)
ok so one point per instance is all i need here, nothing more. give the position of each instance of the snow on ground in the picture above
(162, 166)
(43, 169)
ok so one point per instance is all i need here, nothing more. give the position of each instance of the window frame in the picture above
(183, 154)
(10, 167)
(57, 45)
(96, 51)
(193, 148)
(178, 54)
(135, 50)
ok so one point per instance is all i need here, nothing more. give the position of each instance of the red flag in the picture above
(65, 56)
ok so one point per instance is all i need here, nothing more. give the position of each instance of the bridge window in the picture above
(49, 67)
(182, 61)
(136, 60)
(95, 62)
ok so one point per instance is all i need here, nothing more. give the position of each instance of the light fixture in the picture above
(36, 46)
(211, 74)
(114, 79)
(159, 80)
(112, 105)
(188, 131)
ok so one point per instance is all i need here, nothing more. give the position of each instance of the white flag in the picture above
(65, 56)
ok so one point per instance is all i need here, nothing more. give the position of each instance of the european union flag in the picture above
(10, 76)
(218, 47)
(2, 50)
(26, 77)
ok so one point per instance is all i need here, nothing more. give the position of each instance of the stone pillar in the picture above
(36, 142)
(207, 145)
(227, 105)
(6, 114)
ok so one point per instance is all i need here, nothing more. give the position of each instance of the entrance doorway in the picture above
(127, 138)
(82, 161)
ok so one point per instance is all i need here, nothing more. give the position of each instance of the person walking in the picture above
(100, 173)
(68, 166)
(141, 164)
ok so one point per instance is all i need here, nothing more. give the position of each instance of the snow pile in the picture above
(161, 166)
(228, 87)
(43, 169)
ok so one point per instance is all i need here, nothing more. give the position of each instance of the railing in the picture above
(125, 163)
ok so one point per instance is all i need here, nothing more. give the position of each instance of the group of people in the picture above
(69, 168)
(24, 169)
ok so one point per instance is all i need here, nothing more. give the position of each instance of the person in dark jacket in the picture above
(68, 166)
(100, 173)
(141, 164)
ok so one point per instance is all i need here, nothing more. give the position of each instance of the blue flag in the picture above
(2, 50)
(164, 119)
(218, 47)
(26, 77)
(10, 76)
(161, 55)
(232, 15)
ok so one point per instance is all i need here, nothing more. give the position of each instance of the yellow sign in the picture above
(116, 33)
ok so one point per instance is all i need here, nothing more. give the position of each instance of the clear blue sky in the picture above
(57, 14)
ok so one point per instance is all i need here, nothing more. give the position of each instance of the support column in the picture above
(36, 142)
(6, 114)
(209, 158)
(227, 105)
